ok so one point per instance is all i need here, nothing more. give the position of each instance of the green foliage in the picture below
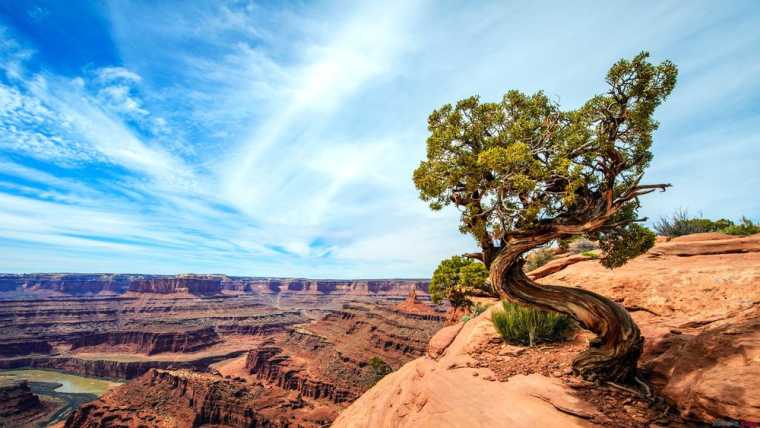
(622, 244)
(456, 278)
(379, 368)
(527, 325)
(538, 258)
(680, 223)
(744, 228)
(477, 309)
(519, 165)
(589, 254)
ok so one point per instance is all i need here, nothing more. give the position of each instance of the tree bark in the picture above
(613, 354)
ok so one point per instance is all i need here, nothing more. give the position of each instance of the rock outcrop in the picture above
(701, 245)
(446, 389)
(697, 301)
(150, 342)
(167, 399)
(23, 346)
(710, 373)
(299, 377)
(204, 285)
(270, 365)
(17, 401)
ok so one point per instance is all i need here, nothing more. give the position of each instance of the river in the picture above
(67, 390)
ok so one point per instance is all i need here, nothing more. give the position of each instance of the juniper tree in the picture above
(524, 173)
(456, 279)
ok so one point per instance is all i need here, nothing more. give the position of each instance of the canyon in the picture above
(304, 353)
(303, 344)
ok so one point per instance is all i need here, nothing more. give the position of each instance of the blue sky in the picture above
(258, 138)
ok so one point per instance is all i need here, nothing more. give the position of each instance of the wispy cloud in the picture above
(262, 139)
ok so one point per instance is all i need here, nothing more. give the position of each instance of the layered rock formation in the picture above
(329, 359)
(150, 342)
(183, 399)
(300, 377)
(119, 366)
(307, 342)
(297, 291)
(270, 365)
(203, 285)
(21, 346)
(17, 402)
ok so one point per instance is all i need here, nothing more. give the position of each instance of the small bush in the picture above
(379, 369)
(680, 224)
(590, 254)
(477, 309)
(744, 228)
(527, 325)
(538, 258)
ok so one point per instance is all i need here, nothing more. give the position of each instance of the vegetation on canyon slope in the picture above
(524, 173)
(456, 279)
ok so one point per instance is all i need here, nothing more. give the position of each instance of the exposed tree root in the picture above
(562, 409)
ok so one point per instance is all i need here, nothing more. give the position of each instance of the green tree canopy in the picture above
(457, 278)
(523, 166)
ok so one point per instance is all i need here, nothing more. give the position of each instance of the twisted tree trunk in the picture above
(613, 354)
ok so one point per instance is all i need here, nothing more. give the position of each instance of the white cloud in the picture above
(110, 74)
(283, 142)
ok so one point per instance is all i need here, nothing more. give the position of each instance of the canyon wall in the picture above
(302, 376)
(217, 350)
(151, 342)
(64, 284)
(16, 399)
(181, 399)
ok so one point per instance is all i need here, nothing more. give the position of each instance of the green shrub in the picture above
(527, 325)
(680, 224)
(744, 228)
(379, 368)
(624, 243)
(590, 254)
(477, 309)
(538, 258)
